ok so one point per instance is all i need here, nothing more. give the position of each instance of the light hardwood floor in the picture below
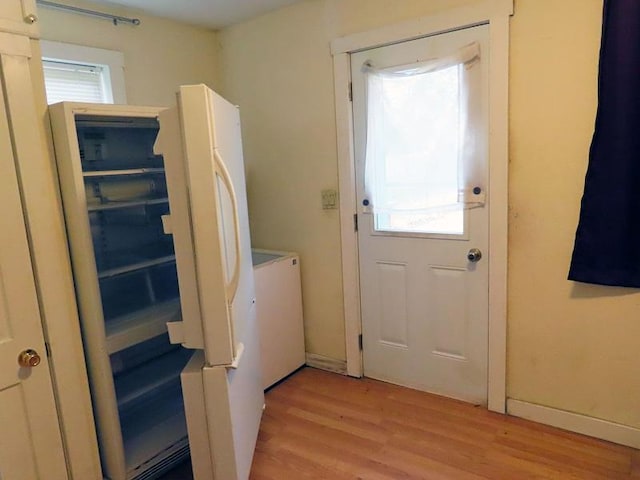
(319, 425)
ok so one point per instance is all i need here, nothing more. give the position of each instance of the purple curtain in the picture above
(607, 244)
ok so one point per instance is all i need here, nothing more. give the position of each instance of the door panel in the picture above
(30, 441)
(392, 294)
(424, 304)
(449, 317)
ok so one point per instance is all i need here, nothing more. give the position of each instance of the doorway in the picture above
(495, 15)
(420, 115)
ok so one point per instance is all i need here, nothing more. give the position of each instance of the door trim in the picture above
(49, 254)
(496, 14)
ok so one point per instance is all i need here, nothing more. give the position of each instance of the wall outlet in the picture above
(329, 199)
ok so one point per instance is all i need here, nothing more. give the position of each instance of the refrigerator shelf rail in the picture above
(112, 272)
(150, 378)
(119, 205)
(128, 172)
(133, 328)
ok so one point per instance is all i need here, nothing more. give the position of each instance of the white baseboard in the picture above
(574, 422)
(326, 363)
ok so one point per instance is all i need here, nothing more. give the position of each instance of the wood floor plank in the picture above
(566, 453)
(419, 466)
(635, 464)
(570, 467)
(324, 426)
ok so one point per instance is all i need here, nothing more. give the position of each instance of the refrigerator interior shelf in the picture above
(94, 120)
(112, 272)
(133, 328)
(128, 171)
(172, 456)
(150, 378)
(117, 205)
(158, 426)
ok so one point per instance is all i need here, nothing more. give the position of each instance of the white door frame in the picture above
(496, 14)
(26, 105)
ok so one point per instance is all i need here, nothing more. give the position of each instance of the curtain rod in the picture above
(93, 13)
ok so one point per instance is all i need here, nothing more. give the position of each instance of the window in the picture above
(82, 74)
(73, 81)
(420, 147)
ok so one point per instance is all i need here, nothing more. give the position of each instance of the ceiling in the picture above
(207, 13)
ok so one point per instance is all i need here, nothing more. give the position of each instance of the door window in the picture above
(419, 143)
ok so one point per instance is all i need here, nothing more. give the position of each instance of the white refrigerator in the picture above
(156, 213)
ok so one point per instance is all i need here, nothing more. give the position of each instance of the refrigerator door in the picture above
(222, 389)
(223, 407)
(202, 148)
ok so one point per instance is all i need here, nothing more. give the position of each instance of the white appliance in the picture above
(156, 212)
(279, 301)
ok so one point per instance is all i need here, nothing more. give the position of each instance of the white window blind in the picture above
(75, 82)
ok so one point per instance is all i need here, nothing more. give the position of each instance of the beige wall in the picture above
(278, 68)
(159, 54)
(570, 346)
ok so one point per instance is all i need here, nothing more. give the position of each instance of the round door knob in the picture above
(31, 18)
(474, 255)
(29, 358)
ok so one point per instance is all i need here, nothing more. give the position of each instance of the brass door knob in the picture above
(29, 358)
(474, 255)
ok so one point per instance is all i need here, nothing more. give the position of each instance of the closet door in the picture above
(30, 438)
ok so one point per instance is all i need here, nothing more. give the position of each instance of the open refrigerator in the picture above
(156, 214)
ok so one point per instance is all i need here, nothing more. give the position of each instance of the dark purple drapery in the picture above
(607, 244)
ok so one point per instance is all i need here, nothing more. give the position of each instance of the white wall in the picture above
(159, 54)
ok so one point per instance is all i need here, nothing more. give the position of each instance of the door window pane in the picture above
(414, 144)
(422, 145)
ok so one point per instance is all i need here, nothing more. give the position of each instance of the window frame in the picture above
(111, 61)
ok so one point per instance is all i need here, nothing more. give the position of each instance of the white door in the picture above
(222, 385)
(30, 441)
(421, 149)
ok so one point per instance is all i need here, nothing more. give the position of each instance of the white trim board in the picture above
(496, 14)
(326, 363)
(575, 422)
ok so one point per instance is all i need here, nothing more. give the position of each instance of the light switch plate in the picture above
(329, 199)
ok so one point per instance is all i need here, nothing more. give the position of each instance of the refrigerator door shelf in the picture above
(177, 336)
(236, 361)
(189, 332)
(199, 223)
